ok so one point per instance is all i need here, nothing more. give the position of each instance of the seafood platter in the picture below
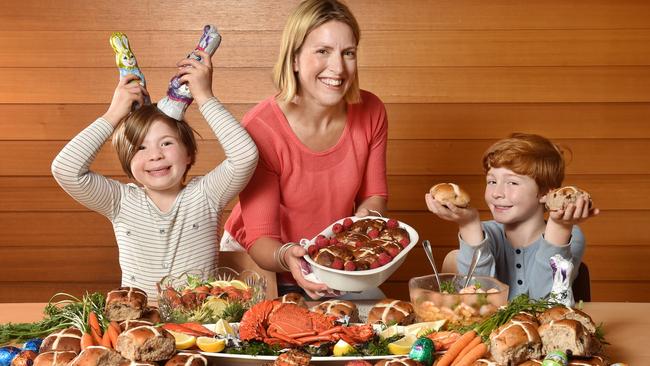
(355, 254)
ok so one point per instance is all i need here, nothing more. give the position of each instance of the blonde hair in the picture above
(531, 155)
(133, 128)
(309, 15)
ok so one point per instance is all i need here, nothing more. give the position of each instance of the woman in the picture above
(322, 144)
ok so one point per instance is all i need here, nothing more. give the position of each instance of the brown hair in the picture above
(531, 155)
(133, 128)
(306, 17)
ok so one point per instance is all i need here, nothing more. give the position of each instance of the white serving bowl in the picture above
(356, 281)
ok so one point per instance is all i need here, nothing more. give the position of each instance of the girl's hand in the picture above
(573, 214)
(293, 256)
(449, 212)
(197, 75)
(127, 92)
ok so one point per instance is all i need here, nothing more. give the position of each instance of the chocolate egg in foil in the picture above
(24, 358)
(33, 344)
(7, 354)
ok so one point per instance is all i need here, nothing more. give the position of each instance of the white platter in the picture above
(233, 359)
(359, 280)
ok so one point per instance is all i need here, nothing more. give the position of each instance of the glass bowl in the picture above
(478, 301)
(207, 296)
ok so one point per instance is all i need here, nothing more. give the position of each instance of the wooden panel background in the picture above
(455, 76)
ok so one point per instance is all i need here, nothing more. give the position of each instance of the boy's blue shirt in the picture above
(525, 270)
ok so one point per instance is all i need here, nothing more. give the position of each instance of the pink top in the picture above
(295, 192)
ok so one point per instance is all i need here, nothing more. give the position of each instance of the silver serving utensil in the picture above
(427, 250)
(475, 258)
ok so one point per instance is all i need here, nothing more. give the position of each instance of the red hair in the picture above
(531, 155)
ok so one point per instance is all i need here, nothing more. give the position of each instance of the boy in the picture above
(518, 244)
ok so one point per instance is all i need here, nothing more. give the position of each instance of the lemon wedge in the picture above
(183, 341)
(239, 284)
(216, 305)
(342, 348)
(389, 332)
(209, 344)
(402, 346)
(222, 328)
(420, 329)
(220, 283)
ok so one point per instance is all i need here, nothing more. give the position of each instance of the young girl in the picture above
(163, 225)
(518, 244)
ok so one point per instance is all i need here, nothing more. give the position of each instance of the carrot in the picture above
(96, 337)
(113, 332)
(106, 340)
(465, 350)
(93, 322)
(474, 354)
(455, 348)
(87, 340)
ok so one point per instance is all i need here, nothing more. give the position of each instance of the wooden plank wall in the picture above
(455, 75)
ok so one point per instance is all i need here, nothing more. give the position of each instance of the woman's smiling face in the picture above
(327, 63)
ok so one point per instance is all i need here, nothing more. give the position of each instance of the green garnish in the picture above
(447, 287)
(64, 313)
(233, 312)
(521, 303)
(255, 349)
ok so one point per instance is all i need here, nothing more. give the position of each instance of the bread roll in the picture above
(128, 324)
(515, 342)
(450, 193)
(339, 309)
(54, 358)
(293, 298)
(146, 343)
(566, 335)
(98, 356)
(68, 339)
(151, 314)
(563, 312)
(293, 357)
(390, 311)
(402, 361)
(560, 198)
(187, 359)
(125, 303)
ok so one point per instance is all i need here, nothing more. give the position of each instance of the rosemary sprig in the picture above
(521, 303)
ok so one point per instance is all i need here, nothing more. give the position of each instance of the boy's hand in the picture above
(127, 92)
(449, 212)
(573, 214)
(197, 75)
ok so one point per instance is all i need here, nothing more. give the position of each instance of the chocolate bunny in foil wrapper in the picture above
(561, 291)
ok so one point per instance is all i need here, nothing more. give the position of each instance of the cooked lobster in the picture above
(286, 324)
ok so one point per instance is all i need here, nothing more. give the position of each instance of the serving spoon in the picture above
(427, 250)
(475, 258)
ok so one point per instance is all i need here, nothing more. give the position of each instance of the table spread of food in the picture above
(223, 316)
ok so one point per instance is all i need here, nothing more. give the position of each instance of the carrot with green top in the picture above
(473, 355)
(455, 348)
(87, 340)
(113, 332)
(93, 323)
(465, 350)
